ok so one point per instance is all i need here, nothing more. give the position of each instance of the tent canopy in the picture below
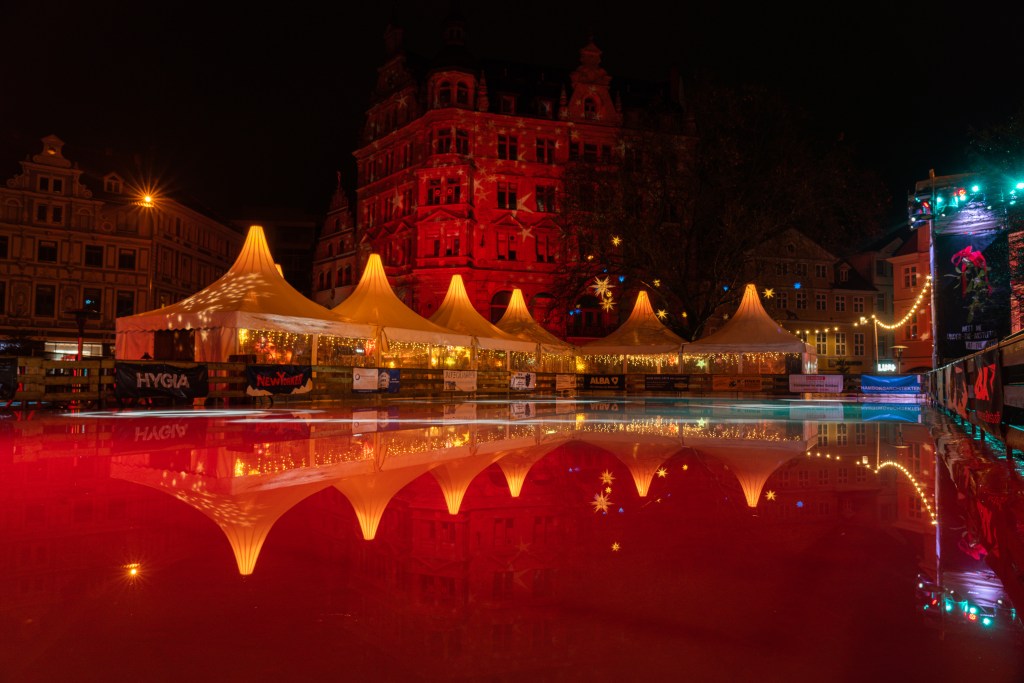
(641, 333)
(518, 322)
(750, 330)
(252, 294)
(374, 302)
(456, 312)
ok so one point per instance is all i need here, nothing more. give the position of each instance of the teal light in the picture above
(986, 621)
(1020, 186)
(939, 199)
(975, 188)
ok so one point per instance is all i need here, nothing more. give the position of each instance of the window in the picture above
(461, 93)
(126, 259)
(840, 303)
(821, 343)
(910, 276)
(112, 184)
(546, 198)
(4, 246)
(782, 300)
(508, 147)
(507, 104)
(590, 109)
(46, 300)
(590, 152)
(883, 268)
(506, 246)
(125, 303)
(844, 274)
(507, 196)
(51, 184)
(781, 268)
(545, 246)
(47, 251)
(820, 302)
(545, 109)
(446, 191)
(820, 270)
(499, 304)
(444, 141)
(94, 256)
(92, 299)
(801, 299)
(911, 328)
(47, 213)
(840, 343)
(858, 343)
(858, 304)
(461, 142)
(860, 434)
(444, 94)
(822, 434)
(545, 150)
(452, 246)
(800, 269)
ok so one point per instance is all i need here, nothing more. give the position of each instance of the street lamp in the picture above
(899, 348)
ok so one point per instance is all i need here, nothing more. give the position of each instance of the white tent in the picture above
(556, 355)
(751, 331)
(456, 313)
(400, 333)
(642, 342)
(251, 303)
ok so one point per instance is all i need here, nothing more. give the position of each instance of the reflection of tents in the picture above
(374, 302)
(752, 331)
(643, 452)
(642, 335)
(252, 295)
(752, 451)
(456, 313)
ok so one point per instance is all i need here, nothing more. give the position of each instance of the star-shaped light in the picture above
(525, 233)
(600, 502)
(608, 304)
(602, 286)
(662, 472)
(607, 489)
(616, 240)
(768, 292)
(607, 477)
(662, 313)
(770, 495)
(616, 547)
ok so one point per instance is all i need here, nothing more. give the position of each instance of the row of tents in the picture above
(253, 312)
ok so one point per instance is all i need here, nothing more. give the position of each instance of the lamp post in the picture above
(899, 348)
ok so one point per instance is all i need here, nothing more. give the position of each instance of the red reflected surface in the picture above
(555, 541)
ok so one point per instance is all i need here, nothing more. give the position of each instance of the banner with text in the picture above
(266, 380)
(147, 380)
(736, 383)
(382, 380)
(460, 380)
(666, 382)
(816, 384)
(890, 384)
(611, 382)
(523, 381)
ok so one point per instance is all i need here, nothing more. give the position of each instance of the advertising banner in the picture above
(666, 382)
(736, 383)
(460, 380)
(8, 378)
(265, 380)
(523, 381)
(816, 384)
(146, 380)
(972, 292)
(607, 382)
(565, 382)
(890, 384)
(988, 390)
(380, 380)
(959, 389)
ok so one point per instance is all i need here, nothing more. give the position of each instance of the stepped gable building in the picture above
(461, 171)
(83, 247)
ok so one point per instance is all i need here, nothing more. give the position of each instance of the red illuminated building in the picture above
(461, 170)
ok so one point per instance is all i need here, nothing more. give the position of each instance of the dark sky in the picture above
(261, 107)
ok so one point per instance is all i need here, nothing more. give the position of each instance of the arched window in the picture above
(540, 307)
(320, 281)
(461, 93)
(444, 94)
(590, 109)
(585, 319)
(499, 304)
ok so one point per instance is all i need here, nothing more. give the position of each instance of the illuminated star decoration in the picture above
(769, 292)
(600, 502)
(662, 313)
(770, 495)
(602, 287)
(616, 240)
(608, 304)
(657, 283)
(616, 547)
(607, 477)
(662, 472)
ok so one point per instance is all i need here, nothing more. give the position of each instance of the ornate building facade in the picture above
(79, 249)
(462, 169)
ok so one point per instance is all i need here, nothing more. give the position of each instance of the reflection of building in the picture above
(73, 239)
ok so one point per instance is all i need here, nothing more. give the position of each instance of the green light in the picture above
(986, 621)
(973, 609)
(1020, 186)
(975, 188)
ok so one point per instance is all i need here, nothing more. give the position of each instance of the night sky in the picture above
(262, 108)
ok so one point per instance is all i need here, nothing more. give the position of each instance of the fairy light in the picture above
(917, 487)
(920, 301)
